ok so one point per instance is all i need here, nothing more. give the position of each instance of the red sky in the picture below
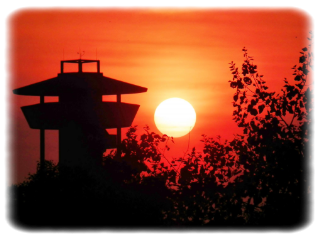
(173, 53)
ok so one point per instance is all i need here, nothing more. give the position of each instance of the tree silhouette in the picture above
(277, 133)
(261, 177)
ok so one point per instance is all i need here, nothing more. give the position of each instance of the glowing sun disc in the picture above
(175, 117)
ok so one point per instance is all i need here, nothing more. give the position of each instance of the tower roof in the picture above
(66, 83)
(80, 82)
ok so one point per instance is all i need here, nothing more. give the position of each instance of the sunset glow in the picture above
(172, 53)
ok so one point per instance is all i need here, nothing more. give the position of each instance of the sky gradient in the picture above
(173, 53)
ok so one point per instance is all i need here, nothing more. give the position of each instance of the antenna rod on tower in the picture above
(80, 53)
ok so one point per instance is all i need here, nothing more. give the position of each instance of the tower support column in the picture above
(42, 142)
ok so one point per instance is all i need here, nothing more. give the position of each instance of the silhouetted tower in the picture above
(80, 115)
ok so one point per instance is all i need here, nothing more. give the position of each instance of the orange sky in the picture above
(173, 53)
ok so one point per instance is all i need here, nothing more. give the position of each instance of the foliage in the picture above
(142, 159)
(260, 177)
(276, 130)
(80, 198)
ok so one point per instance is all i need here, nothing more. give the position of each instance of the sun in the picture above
(175, 117)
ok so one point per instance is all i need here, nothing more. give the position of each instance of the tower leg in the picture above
(119, 140)
(42, 143)
(118, 143)
(42, 150)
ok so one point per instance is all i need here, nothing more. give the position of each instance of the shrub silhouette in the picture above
(80, 198)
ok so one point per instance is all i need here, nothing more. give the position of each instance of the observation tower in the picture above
(80, 115)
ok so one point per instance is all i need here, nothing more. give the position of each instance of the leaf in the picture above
(143, 137)
(247, 80)
(254, 112)
(299, 86)
(298, 78)
(235, 97)
(240, 84)
(233, 84)
(261, 108)
(290, 109)
(301, 104)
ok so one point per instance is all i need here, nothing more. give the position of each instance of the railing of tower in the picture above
(80, 63)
